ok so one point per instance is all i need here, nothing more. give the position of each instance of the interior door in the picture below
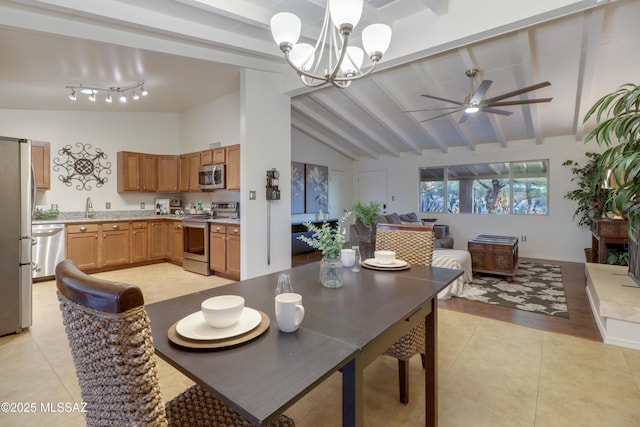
(372, 185)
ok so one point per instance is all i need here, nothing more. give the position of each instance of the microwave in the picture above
(211, 177)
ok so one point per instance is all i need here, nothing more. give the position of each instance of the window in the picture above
(499, 188)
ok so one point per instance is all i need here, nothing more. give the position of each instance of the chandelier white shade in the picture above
(332, 59)
(134, 91)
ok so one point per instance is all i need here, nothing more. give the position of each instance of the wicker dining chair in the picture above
(112, 348)
(414, 244)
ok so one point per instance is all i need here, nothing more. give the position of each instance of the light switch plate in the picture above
(107, 205)
(252, 195)
(141, 205)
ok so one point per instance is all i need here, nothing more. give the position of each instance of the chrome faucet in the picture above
(88, 213)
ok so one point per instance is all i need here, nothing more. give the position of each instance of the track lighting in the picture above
(121, 91)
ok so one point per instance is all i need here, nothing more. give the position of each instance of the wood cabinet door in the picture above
(219, 156)
(233, 167)
(149, 172)
(41, 160)
(174, 241)
(206, 157)
(139, 243)
(83, 249)
(157, 239)
(183, 173)
(115, 247)
(217, 252)
(194, 165)
(167, 175)
(128, 171)
(233, 255)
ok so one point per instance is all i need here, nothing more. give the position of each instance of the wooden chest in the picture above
(494, 254)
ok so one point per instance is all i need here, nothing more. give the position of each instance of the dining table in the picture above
(344, 329)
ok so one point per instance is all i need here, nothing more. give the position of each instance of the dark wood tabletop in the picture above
(343, 329)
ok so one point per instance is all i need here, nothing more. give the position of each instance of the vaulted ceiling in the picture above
(191, 51)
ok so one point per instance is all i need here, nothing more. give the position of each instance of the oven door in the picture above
(195, 237)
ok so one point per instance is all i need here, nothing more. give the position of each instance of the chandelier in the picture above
(332, 59)
(133, 91)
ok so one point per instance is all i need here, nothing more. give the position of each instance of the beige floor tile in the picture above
(491, 373)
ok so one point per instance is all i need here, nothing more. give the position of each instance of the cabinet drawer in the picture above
(139, 224)
(218, 228)
(177, 225)
(233, 230)
(115, 226)
(82, 228)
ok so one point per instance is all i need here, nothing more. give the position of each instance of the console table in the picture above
(494, 254)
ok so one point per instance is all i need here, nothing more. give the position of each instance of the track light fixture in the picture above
(92, 91)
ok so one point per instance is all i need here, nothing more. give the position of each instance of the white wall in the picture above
(553, 236)
(305, 149)
(265, 135)
(216, 121)
(109, 132)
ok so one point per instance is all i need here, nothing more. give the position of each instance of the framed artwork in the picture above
(316, 188)
(297, 188)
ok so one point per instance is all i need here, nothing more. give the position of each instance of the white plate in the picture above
(395, 264)
(196, 328)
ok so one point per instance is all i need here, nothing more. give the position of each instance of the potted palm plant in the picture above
(617, 127)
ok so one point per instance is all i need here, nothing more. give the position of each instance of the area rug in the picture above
(536, 287)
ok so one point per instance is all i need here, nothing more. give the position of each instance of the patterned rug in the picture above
(536, 287)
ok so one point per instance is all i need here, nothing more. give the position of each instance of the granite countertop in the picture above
(75, 217)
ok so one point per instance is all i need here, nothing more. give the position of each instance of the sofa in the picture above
(360, 235)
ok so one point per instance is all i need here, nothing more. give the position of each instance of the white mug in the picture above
(347, 256)
(289, 311)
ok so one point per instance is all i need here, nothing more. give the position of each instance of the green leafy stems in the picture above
(329, 241)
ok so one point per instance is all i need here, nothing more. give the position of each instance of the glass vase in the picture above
(331, 272)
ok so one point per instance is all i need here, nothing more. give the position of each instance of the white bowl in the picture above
(385, 257)
(222, 311)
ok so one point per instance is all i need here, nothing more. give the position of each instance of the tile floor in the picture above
(491, 373)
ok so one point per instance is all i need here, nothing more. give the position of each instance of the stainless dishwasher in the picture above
(48, 248)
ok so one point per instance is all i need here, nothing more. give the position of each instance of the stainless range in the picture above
(195, 232)
(195, 238)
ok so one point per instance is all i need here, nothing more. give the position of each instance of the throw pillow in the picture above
(394, 218)
(409, 218)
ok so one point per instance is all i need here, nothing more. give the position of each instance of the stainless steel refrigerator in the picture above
(17, 193)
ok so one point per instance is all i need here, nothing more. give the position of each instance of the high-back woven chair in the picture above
(112, 348)
(414, 244)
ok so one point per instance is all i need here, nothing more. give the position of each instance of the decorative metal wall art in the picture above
(82, 165)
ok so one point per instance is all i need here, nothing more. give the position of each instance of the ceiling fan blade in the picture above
(463, 118)
(443, 99)
(496, 111)
(524, 101)
(441, 115)
(517, 92)
(479, 94)
(431, 109)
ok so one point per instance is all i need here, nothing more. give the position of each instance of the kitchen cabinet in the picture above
(136, 172)
(233, 167)
(233, 251)
(83, 244)
(157, 239)
(183, 173)
(167, 175)
(215, 156)
(115, 243)
(224, 250)
(218, 248)
(194, 165)
(128, 171)
(139, 241)
(148, 172)
(41, 160)
(174, 241)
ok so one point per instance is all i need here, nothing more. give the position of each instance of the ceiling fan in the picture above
(475, 101)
